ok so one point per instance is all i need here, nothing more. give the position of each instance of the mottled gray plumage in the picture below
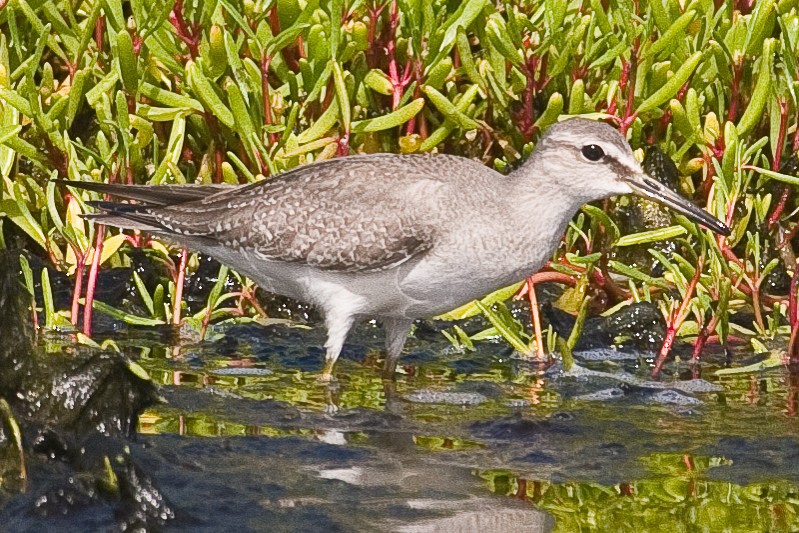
(398, 237)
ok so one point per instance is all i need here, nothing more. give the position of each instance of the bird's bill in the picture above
(654, 190)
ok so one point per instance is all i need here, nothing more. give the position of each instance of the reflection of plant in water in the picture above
(677, 499)
(211, 93)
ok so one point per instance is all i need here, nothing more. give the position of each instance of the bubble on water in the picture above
(696, 385)
(452, 398)
(242, 371)
(673, 397)
(606, 354)
(601, 396)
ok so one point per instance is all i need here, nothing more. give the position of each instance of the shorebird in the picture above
(395, 237)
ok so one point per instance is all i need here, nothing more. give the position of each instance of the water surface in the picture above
(247, 439)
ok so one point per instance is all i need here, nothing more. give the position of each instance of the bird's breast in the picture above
(445, 278)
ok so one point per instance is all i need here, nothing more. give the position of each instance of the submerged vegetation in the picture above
(230, 92)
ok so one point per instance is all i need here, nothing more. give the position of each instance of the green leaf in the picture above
(506, 330)
(448, 109)
(342, 96)
(126, 59)
(637, 275)
(204, 89)
(168, 98)
(17, 211)
(774, 360)
(391, 120)
(761, 92)
(673, 35)
(471, 309)
(376, 80)
(322, 125)
(49, 306)
(655, 235)
(785, 178)
(122, 316)
(173, 150)
(110, 246)
(670, 88)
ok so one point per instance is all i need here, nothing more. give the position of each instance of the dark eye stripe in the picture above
(593, 152)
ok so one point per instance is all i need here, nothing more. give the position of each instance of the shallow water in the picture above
(248, 440)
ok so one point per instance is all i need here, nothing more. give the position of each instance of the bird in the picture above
(395, 237)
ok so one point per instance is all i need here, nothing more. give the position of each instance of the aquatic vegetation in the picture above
(230, 92)
(680, 498)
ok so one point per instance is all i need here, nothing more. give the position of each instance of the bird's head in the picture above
(595, 161)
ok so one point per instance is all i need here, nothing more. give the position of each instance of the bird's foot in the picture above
(326, 377)
(327, 373)
(389, 372)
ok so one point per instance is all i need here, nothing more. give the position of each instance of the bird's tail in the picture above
(153, 195)
(125, 216)
(139, 216)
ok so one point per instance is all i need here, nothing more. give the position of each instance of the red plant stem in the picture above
(99, 31)
(266, 61)
(189, 36)
(521, 489)
(737, 70)
(206, 321)
(539, 337)
(78, 287)
(418, 74)
(219, 159)
(701, 339)
(779, 208)
(795, 145)
(775, 165)
(393, 73)
(343, 148)
(181, 277)
(274, 20)
(793, 315)
(792, 404)
(92, 282)
(788, 236)
(527, 119)
(745, 6)
(398, 83)
(374, 18)
(677, 319)
(629, 116)
(543, 80)
(793, 312)
(623, 78)
(555, 277)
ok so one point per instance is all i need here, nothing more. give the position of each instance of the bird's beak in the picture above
(649, 188)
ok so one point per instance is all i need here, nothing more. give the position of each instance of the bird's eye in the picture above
(593, 152)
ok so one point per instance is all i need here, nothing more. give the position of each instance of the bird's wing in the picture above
(351, 214)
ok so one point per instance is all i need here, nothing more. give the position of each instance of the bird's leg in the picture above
(337, 329)
(397, 330)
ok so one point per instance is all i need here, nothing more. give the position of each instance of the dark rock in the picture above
(74, 411)
(640, 326)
